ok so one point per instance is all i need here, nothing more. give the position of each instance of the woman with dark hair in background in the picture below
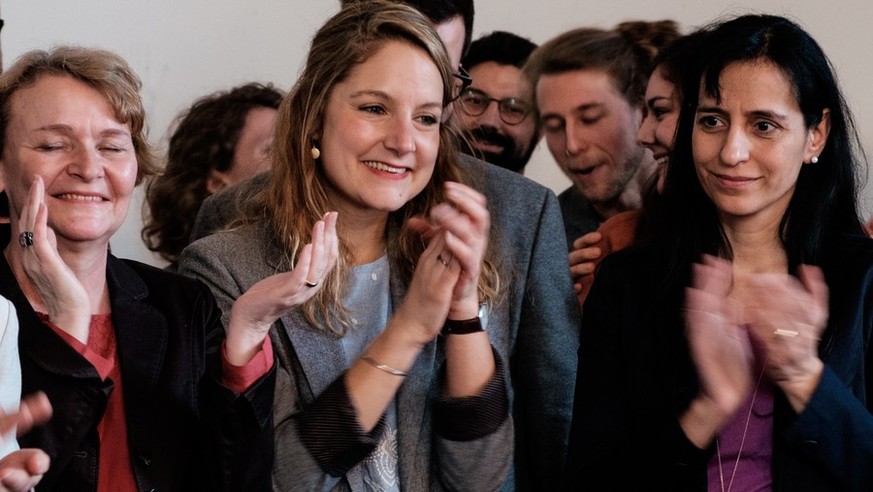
(733, 353)
(221, 139)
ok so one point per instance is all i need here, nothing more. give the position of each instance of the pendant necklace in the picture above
(742, 442)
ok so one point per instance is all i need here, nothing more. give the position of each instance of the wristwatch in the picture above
(464, 326)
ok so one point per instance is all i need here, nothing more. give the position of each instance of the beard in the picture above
(509, 158)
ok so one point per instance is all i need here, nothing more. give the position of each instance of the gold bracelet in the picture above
(382, 367)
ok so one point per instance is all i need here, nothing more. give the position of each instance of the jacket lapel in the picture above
(413, 407)
(319, 352)
(140, 331)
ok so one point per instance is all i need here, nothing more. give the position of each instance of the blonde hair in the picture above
(104, 71)
(297, 195)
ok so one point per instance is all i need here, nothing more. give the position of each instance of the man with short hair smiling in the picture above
(589, 85)
(503, 133)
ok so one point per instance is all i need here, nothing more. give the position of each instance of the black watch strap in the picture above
(462, 327)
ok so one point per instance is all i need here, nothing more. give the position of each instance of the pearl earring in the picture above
(814, 159)
(315, 152)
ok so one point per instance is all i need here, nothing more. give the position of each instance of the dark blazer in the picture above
(636, 376)
(185, 430)
(541, 333)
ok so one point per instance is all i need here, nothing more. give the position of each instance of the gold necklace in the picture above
(742, 441)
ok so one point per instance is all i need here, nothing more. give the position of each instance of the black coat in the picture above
(636, 376)
(185, 430)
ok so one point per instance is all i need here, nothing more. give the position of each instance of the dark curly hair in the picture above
(204, 139)
(501, 47)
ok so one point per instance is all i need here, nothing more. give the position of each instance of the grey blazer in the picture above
(541, 332)
(311, 359)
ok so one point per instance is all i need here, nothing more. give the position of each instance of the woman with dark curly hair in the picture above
(221, 139)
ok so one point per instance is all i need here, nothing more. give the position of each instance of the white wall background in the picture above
(184, 49)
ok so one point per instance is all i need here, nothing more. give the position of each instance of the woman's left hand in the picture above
(786, 317)
(465, 222)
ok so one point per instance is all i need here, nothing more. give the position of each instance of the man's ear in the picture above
(216, 181)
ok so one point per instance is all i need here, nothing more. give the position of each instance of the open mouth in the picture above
(79, 198)
(584, 172)
(379, 166)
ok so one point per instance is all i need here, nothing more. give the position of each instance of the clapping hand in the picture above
(463, 223)
(721, 350)
(786, 317)
(21, 470)
(266, 301)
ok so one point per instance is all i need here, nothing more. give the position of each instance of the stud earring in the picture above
(814, 159)
(315, 152)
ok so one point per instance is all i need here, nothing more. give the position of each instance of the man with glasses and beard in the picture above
(503, 133)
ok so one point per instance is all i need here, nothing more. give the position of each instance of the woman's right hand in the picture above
(263, 303)
(721, 350)
(64, 297)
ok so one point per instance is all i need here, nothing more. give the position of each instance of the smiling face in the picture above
(591, 132)
(660, 119)
(381, 130)
(66, 132)
(749, 147)
(500, 143)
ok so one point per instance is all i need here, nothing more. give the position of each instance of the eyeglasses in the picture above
(464, 81)
(475, 102)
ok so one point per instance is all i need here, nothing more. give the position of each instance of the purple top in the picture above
(753, 471)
